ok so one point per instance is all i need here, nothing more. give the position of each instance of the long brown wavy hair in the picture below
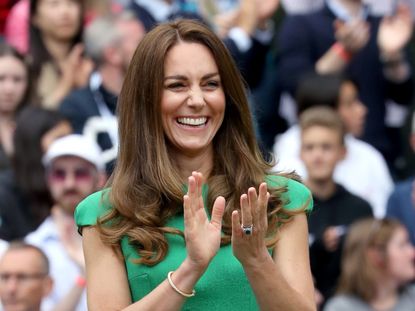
(146, 187)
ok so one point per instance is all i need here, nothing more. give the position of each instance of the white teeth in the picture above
(192, 121)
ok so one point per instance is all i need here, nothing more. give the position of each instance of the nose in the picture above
(196, 98)
(70, 180)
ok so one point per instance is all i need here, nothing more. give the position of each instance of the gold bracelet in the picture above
(178, 290)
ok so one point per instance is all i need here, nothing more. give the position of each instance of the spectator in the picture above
(377, 265)
(14, 95)
(322, 147)
(25, 199)
(24, 277)
(363, 170)
(343, 37)
(74, 170)
(56, 49)
(401, 204)
(94, 106)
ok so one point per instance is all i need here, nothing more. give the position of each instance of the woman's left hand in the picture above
(250, 247)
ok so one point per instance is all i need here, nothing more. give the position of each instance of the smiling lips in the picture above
(200, 121)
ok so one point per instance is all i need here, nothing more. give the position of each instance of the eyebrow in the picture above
(181, 77)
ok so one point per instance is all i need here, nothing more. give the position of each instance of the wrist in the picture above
(391, 58)
(258, 262)
(189, 266)
(340, 50)
(80, 281)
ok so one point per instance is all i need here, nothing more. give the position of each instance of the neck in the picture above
(202, 162)
(112, 78)
(386, 295)
(352, 6)
(6, 118)
(59, 215)
(59, 50)
(322, 189)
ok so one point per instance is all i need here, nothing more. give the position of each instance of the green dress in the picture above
(223, 286)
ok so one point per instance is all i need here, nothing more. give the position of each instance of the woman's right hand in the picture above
(202, 236)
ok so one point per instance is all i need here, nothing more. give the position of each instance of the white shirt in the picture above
(363, 171)
(62, 269)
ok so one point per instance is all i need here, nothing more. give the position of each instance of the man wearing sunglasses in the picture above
(74, 169)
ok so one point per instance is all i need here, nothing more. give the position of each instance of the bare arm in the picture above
(281, 282)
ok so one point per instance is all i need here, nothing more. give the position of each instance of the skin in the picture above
(132, 32)
(23, 295)
(58, 19)
(69, 191)
(192, 90)
(321, 150)
(13, 83)
(351, 109)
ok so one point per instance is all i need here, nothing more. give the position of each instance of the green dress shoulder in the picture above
(224, 285)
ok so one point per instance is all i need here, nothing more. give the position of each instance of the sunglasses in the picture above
(79, 174)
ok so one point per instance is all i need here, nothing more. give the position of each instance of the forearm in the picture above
(271, 289)
(333, 61)
(164, 297)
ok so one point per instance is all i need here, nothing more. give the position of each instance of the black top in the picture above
(341, 209)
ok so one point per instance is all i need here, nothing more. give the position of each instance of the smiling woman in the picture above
(189, 183)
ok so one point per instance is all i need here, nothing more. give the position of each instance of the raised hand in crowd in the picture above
(395, 32)
(354, 35)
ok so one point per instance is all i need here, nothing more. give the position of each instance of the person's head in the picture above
(376, 252)
(24, 277)
(322, 142)
(336, 91)
(74, 170)
(160, 87)
(57, 20)
(122, 34)
(14, 80)
(36, 128)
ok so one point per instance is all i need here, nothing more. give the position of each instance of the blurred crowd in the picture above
(331, 88)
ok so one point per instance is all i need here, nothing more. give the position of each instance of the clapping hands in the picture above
(203, 236)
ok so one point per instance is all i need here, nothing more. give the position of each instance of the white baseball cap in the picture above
(74, 145)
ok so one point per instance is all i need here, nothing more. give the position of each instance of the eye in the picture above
(176, 86)
(212, 84)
